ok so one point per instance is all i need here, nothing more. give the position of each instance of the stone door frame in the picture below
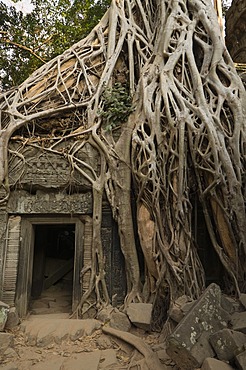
(26, 254)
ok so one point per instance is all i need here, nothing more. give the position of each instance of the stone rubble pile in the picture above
(210, 332)
(207, 334)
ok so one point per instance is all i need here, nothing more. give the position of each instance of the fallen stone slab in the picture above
(140, 315)
(226, 342)
(188, 345)
(240, 360)
(238, 321)
(214, 364)
(82, 361)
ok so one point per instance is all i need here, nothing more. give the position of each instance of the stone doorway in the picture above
(50, 261)
(53, 264)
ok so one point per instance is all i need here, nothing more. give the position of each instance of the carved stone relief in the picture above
(21, 202)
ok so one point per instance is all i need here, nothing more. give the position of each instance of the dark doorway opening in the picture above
(53, 265)
(214, 270)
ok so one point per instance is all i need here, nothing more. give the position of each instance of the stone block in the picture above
(82, 361)
(6, 341)
(242, 300)
(238, 321)
(175, 313)
(12, 319)
(180, 308)
(104, 315)
(228, 304)
(108, 359)
(140, 315)
(189, 345)
(214, 364)
(120, 321)
(240, 360)
(4, 309)
(9, 367)
(226, 342)
(53, 363)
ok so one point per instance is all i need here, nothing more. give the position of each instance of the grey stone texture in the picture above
(240, 360)
(13, 319)
(180, 308)
(119, 321)
(225, 343)
(214, 364)
(238, 320)
(45, 331)
(242, 300)
(229, 304)
(4, 309)
(189, 344)
(140, 315)
(6, 341)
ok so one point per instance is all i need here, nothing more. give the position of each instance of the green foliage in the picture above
(117, 106)
(28, 41)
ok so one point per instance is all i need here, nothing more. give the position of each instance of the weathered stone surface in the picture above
(242, 299)
(213, 364)
(9, 367)
(225, 342)
(12, 319)
(85, 328)
(240, 360)
(23, 202)
(180, 307)
(120, 321)
(83, 361)
(104, 342)
(104, 315)
(54, 364)
(108, 359)
(229, 304)
(42, 332)
(238, 320)
(4, 309)
(188, 345)
(10, 353)
(3, 304)
(6, 341)
(140, 315)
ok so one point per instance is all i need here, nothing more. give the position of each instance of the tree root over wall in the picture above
(182, 138)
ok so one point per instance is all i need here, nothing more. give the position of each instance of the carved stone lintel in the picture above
(21, 202)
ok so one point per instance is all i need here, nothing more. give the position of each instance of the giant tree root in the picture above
(151, 358)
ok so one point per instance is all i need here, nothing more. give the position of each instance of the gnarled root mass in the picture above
(186, 136)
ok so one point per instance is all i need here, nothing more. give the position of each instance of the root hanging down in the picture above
(181, 138)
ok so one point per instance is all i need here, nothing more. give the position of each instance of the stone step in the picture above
(42, 331)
